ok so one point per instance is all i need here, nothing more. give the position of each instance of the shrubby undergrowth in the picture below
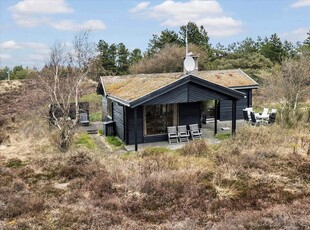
(241, 183)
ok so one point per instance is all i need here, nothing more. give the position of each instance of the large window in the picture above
(158, 117)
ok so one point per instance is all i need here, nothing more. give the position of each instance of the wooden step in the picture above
(92, 131)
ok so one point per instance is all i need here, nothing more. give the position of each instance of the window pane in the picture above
(158, 117)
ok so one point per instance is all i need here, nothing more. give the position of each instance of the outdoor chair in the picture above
(265, 111)
(172, 134)
(246, 116)
(254, 120)
(84, 119)
(273, 110)
(272, 118)
(249, 110)
(183, 133)
(195, 131)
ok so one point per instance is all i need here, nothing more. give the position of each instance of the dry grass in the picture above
(258, 180)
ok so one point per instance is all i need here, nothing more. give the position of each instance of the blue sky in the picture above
(29, 27)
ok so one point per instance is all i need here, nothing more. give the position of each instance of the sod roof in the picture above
(132, 87)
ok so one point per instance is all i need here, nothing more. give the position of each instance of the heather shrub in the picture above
(101, 184)
(14, 163)
(77, 165)
(196, 148)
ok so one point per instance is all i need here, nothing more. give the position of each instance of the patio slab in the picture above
(207, 134)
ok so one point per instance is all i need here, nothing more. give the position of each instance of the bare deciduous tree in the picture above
(61, 80)
(291, 84)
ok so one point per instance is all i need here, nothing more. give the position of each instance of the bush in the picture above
(86, 140)
(154, 151)
(223, 136)
(196, 148)
(114, 141)
(14, 163)
(95, 116)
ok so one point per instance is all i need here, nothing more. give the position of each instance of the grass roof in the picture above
(132, 87)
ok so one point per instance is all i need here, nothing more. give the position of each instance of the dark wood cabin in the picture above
(143, 105)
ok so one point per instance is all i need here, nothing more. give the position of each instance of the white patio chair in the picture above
(265, 111)
(273, 110)
(183, 133)
(172, 134)
(195, 131)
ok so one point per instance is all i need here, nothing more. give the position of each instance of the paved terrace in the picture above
(207, 133)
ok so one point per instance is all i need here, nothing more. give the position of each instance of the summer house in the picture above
(142, 106)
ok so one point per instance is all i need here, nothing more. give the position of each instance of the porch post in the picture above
(136, 134)
(215, 117)
(234, 117)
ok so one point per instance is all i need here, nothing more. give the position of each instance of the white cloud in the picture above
(11, 45)
(70, 25)
(299, 34)
(208, 13)
(300, 3)
(139, 7)
(23, 53)
(41, 7)
(32, 13)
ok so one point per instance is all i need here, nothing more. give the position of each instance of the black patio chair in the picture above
(246, 116)
(254, 120)
(272, 118)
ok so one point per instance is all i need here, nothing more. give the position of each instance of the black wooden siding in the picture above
(178, 95)
(225, 106)
(189, 113)
(199, 93)
(130, 132)
(118, 118)
(190, 92)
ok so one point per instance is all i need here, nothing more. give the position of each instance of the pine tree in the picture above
(122, 59)
(307, 40)
(158, 42)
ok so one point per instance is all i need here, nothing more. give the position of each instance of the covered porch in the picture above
(207, 134)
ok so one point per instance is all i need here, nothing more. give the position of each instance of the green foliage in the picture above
(93, 97)
(116, 59)
(14, 163)
(100, 132)
(135, 56)
(95, 116)
(307, 40)
(85, 140)
(272, 48)
(158, 42)
(223, 136)
(196, 35)
(4, 73)
(17, 73)
(122, 59)
(114, 141)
